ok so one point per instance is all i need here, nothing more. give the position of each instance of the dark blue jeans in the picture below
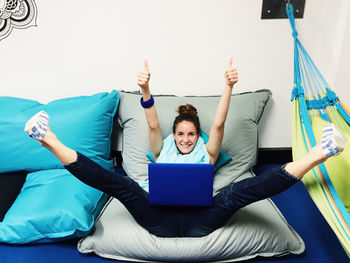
(171, 221)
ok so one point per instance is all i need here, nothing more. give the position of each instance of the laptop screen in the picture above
(180, 184)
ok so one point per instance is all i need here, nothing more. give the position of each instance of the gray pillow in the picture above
(258, 229)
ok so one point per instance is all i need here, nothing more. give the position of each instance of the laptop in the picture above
(180, 184)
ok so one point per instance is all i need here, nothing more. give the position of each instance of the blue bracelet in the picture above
(148, 103)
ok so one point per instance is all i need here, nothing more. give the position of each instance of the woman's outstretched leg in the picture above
(79, 165)
(277, 180)
(239, 194)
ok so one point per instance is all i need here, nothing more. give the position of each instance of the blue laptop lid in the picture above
(180, 184)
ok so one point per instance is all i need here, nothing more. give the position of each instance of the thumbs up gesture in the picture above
(144, 76)
(231, 74)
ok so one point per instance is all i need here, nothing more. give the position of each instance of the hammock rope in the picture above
(314, 103)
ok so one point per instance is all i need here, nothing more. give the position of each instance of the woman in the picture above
(185, 145)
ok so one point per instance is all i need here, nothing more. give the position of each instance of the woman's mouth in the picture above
(186, 146)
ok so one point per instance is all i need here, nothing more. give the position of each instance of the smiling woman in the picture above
(184, 145)
(186, 128)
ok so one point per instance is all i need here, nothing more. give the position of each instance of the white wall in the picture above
(84, 47)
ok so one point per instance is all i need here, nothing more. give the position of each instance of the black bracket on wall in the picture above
(273, 9)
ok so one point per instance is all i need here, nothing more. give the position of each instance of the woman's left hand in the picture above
(231, 74)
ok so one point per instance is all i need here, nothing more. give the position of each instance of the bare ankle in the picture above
(318, 154)
(48, 139)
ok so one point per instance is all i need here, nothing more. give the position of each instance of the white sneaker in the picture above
(36, 126)
(333, 141)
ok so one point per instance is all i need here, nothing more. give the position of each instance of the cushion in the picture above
(53, 204)
(257, 229)
(10, 186)
(83, 123)
(220, 161)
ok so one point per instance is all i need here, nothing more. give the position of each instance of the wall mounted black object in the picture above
(273, 9)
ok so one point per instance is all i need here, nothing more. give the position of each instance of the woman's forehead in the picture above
(185, 126)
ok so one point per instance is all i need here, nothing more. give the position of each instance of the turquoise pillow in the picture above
(82, 123)
(53, 205)
(223, 157)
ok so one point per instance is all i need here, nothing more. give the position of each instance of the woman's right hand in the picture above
(144, 76)
(231, 74)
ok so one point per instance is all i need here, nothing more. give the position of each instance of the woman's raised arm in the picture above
(147, 102)
(217, 128)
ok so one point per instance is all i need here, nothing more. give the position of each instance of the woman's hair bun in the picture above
(187, 109)
(187, 113)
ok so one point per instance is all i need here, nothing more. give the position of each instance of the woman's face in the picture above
(185, 136)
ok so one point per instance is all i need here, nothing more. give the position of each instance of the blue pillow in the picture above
(53, 205)
(222, 159)
(82, 123)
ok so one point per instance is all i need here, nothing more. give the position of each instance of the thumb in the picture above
(145, 65)
(230, 62)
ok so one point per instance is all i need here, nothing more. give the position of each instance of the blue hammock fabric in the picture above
(314, 104)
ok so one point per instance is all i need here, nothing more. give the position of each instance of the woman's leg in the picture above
(80, 166)
(272, 182)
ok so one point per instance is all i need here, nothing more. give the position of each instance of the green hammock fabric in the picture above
(315, 105)
(338, 168)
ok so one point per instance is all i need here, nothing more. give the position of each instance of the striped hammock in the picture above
(315, 105)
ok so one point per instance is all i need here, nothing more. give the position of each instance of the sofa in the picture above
(50, 216)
